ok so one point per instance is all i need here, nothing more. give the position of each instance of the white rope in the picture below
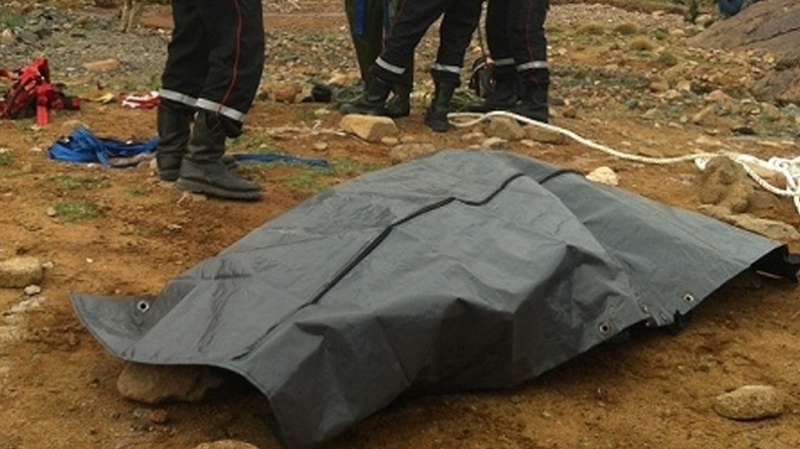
(789, 168)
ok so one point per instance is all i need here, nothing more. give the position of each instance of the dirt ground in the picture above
(58, 386)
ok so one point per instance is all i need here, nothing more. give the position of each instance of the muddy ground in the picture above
(122, 232)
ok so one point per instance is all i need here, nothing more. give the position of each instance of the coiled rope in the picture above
(788, 168)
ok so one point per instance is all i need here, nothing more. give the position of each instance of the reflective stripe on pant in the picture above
(413, 19)
(216, 55)
(515, 30)
(368, 21)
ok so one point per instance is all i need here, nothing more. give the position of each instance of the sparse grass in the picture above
(253, 143)
(317, 179)
(69, 182)
(9, 19)
(626, 29)
(135, 193)
(304, 114)
(350, 166)
(307, 179)
(667, 59)
(641, 43)
(592, 29)
(660, 34)
(74, 210)
(6, 157)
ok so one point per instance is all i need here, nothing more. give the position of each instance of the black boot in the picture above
(173, 123)
(436, 116)
(534, 103)
(203, 171)
(503, 96)
(372, 101)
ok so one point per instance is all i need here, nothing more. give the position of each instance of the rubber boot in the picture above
(372, 101)
(173, 124)
(202, 169)
(534, 103)
(504, 95)
(436, 116)
(399, 104)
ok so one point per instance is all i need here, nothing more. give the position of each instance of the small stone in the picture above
(604, 175)
(51, 211)
(48, 265)
(368, 127)
(32, 290)
(505, 128)
(154, 384)
(495, 143)
(284, 93)
(390, 141)
(543, 135)
(7, 35)
(750, 402)
(158, 416)
(226, 444)
(704, 117)
(320, 146)
(659, 86)
(408, 151)
(106, 65)
(20, 272)
(473, 136)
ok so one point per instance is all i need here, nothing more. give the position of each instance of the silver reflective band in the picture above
(532, 65)
(504, 61)
(177, 97)
(389, 67)
(218, 108)
(445, 68)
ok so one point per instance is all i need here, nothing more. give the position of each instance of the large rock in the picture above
(20, 272)
(155, 384)
(766, 25)
(725, 183)
(750, 402)
(368, 127)
(776, 230)
(505, 128)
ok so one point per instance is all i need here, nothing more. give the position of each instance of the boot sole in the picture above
(201, 187)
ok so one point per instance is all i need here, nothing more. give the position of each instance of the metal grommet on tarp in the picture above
(143, 306)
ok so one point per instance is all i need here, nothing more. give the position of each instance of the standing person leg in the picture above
(503, 95)
(181, 82)
(530, 54)
(458, 25)
(413, 19)
(236, 61)
(365, 18)
(399, 104)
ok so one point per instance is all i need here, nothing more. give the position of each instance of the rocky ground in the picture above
(637, 80)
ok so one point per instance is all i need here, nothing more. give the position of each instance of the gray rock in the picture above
(776, 230)
(155, 384)
(750, 402)
(542, 135)
(20, 272)
(725, 183)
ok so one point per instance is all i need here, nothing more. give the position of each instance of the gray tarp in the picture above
(462, 270)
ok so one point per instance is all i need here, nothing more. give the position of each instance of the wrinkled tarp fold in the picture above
(461, 270)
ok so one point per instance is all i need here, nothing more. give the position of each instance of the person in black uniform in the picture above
(414, 17)
(369, 20)
(214, 64)
(518, 45)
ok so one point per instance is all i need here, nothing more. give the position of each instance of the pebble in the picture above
(750, 402)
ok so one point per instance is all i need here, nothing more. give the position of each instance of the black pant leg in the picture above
(530, 48)
(236, 56)
(460, 20)
(412, 21)
(187, 56)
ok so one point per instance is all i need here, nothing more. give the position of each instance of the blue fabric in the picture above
(83, 146)
(729, 7)
(359, 14)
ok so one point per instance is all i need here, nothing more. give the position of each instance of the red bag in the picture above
(32, 94)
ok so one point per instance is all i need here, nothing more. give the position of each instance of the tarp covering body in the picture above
(462, 270)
